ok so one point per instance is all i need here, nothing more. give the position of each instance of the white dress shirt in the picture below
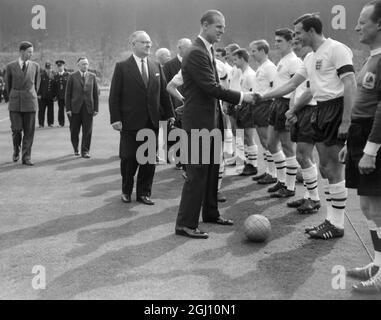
(139, 63)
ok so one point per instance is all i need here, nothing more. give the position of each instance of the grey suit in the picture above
(81, 98)
(22, 87)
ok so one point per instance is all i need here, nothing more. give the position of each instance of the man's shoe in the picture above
(126, 198)
(279, 185)
(222, 221)
(283, 193)
(371, 286)
(310, 206)
(220, 197)
(259, 177)
(146, 200)
(27, 163)
(268, 179)
(40, 126)
(16, 157)
(50, 126)
(191, 233)
(249, 170)
(328, 232)
(85, 155)
(296, 203)
(364, 273)
(316, 228)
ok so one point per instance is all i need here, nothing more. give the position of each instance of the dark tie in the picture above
(83, 79)
(144, 73)
(23, 66)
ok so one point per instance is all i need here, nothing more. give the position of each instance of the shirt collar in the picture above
(208, 45)
(375, 52)
(139, 60)
(180, 58)
(21, 62)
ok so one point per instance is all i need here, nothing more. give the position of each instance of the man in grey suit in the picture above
(22, 83)
(81, 99)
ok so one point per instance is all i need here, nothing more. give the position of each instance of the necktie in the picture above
(214, 65)
(144, 73)
(23, 66)
(83, 78)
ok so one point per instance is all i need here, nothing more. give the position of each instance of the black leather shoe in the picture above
(85, 155)
(222, 221)
(27, 163)
(126, 198)
(146, 200)
(191, 233)
(15, 157)
(76, 153)
(221, 197)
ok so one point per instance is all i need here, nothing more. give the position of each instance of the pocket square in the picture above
(157, 74)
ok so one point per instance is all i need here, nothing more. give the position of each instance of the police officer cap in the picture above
(60, 62)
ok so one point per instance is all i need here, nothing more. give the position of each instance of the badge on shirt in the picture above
(319, 63)
(369, 80)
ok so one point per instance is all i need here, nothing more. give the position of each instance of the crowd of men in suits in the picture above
(308, 100)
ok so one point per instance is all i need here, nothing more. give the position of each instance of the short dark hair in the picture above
(376, 15)
(222, 51)
(285, 33)
(232, 47)
(81, 58)
(242, 54)
(310, 20)
(25, 45)
(261, 45)
(209, 15)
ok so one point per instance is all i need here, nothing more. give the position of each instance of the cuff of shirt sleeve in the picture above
(241, 99)
(371, 148)
(115, 122)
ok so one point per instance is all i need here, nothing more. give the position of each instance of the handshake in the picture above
(252, 97)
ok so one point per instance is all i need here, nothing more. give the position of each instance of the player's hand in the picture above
(95, 113)
(343, 130)
(367, 164)
(117, 126)
(69, 113)
(291, 117)
(248, 97)
(343, 154)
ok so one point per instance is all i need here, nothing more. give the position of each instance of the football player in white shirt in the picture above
(299, 118)
(330, 71)
(244, 112)
(265, 74)
(280, 145)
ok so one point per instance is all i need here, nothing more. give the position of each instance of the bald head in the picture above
(183, 46)
(163, 55)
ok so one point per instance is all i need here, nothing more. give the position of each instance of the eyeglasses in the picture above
(145, 42)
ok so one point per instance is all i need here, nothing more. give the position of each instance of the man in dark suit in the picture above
(138, 91)
(22, 83)
(202, 110)
(46, 96)
(81, 99)
(172, 67)
(60, 81)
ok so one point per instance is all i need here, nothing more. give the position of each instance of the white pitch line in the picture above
(4, 119)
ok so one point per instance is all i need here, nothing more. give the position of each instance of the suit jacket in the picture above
(171, 68)
(59, 86)
(22, 86)
(79, 93)
(131, 102)
(202, 90)
(46, 90)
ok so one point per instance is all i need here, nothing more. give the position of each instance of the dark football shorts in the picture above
(244, 116)
(261, 113)
(366, 184)
(326, 120)
(277, 117)
(302, 130)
